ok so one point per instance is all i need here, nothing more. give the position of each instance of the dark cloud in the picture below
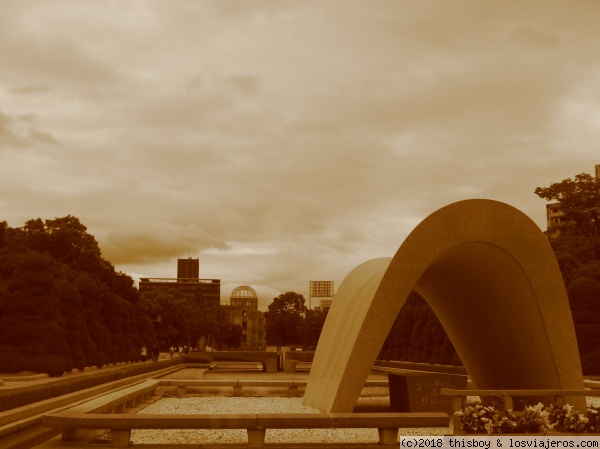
(285, 141)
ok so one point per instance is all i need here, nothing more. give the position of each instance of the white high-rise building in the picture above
(321, 291)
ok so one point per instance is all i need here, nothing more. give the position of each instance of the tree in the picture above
(580, 203)
(418, 336)
(174, 312)
(284, 318)
(584, 298)
(77, 290)
(312, 326)
(77, 335)
(3, 232)
(91, 297)
(208, 322)
(577, 249)
(69, 242)
(32, 337)
(234, 336)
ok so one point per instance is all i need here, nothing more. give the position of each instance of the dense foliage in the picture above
(62, 306)
(418, 336)
(291, 323)
(183, 322)
(578, 233)
(576, 243)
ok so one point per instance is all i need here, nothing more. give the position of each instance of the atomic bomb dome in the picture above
(243, 292)
(244, 296)
(243, 311)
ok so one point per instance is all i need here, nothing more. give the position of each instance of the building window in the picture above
(244, 324)
(244, 313)
(244, 338)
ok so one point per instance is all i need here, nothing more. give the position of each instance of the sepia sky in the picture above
(287, 141)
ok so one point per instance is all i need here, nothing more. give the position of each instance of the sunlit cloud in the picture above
(284, 141)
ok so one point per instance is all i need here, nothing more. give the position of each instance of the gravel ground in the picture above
(594, 402)
(223, 405)
(236, 405)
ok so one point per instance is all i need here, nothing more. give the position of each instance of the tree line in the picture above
(184, 322)
(62, 306)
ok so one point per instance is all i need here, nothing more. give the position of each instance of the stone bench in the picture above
(237, 385)
(116, 401)
(255, 424)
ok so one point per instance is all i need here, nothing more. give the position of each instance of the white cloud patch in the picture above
(279, 141)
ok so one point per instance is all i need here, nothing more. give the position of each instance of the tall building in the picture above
(554, 213)
(321, 291)
(243, 310)
(204, 292)
(188, 268)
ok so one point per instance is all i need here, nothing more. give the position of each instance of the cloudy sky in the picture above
(286, 141)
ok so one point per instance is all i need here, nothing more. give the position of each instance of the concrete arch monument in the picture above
(493, 281)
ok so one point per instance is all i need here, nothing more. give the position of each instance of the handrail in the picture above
(546, 392)
(255, 424)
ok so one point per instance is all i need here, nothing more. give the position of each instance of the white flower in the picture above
(537, 408)
(489, 428)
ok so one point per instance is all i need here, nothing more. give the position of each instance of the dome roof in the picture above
(244, 292)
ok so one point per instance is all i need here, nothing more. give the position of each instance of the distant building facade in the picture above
(243, 310)
(321, 292)
(204, 292)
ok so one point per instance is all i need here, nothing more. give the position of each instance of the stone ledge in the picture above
(24, 378)
(247, 421)
(593, 384)
(34, 411)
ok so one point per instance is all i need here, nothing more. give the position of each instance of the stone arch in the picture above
(493, 281)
